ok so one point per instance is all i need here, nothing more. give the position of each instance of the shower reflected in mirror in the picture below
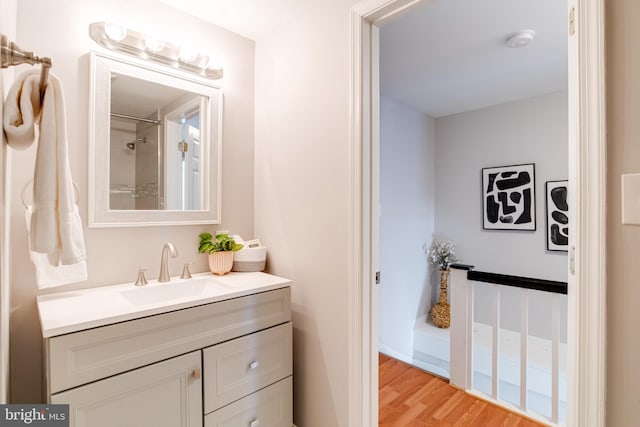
(132, 145)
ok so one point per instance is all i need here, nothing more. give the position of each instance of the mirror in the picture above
(155, 145)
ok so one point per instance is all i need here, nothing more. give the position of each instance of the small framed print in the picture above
(508, 198)
(557, 215)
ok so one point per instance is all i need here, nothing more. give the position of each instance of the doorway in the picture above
(586, 135)
(482, 91)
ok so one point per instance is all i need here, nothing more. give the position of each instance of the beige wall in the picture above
(59, 29)
(623, 151)
(302, 146)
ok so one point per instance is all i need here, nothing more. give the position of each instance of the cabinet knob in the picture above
(254, 422)
(196, 374)
(253, 365)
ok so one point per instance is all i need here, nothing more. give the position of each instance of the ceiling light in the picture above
(120, 39)
(520, 38)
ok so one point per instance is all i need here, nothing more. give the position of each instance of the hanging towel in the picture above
(55, 224)
(48, 274)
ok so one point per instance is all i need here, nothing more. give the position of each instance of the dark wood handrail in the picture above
(515, 281)
(518, 281)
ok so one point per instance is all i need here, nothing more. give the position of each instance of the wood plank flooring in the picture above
(411, 397)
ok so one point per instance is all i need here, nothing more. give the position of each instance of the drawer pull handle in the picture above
(253, 365)
(196, 374)
(254, 422)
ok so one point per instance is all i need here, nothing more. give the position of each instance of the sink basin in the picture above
(155, 293)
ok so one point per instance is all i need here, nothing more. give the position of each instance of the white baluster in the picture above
(461, 328)
(495, 353)
(555, 358)
(524, 336)
(471, 315)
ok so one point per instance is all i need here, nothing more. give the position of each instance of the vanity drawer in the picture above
(240, 367)
(269, 407)
(85, 356)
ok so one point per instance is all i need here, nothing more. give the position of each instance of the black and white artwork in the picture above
(557, 216)
(508, 195)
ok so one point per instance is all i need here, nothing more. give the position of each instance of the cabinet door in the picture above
(165, 394)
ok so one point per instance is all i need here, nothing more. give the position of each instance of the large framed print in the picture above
(557, 215)
(508, 198)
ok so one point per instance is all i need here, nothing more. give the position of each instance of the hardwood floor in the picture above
(411, 397)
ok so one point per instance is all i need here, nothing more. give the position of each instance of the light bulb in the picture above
(153, 44)
(213, 70)
(187, 55)
(114, 31)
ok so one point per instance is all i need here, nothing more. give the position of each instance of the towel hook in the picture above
(23, 193)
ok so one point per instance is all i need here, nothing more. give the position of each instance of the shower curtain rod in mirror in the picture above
(138, 119)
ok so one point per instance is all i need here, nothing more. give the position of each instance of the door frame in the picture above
(587, 184)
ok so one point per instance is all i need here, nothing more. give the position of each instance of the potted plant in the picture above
(220, 250)
(443, 255)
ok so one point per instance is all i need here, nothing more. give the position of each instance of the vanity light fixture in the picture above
(120, 39)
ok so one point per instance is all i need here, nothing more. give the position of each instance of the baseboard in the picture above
(395, 354)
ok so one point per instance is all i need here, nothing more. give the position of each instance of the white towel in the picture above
(55, 226)
(50, 274)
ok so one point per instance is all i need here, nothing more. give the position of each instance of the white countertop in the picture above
(66, 312)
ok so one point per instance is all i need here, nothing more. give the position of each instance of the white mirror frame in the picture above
(101, 66)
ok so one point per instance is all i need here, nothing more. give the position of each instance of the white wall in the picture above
(407, 193)
(59, 29)
(528, 131)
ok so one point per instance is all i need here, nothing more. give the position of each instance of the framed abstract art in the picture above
(557, 216)
(508, 198)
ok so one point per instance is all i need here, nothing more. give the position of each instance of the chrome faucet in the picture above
(164, 261)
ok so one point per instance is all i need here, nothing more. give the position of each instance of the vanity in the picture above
(207, 351)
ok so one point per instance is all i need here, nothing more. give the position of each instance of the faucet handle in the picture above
(141, 280)
(186, 273)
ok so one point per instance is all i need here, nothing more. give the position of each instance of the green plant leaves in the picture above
(221, 243)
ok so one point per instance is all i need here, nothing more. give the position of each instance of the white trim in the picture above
(8, 18)
(587, 288)
(384, 349)
(102, 64)
(358, 344)
(5, 263)
(587, 303)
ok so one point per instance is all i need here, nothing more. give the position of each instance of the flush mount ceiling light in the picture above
(120, 39)
(520, 38)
